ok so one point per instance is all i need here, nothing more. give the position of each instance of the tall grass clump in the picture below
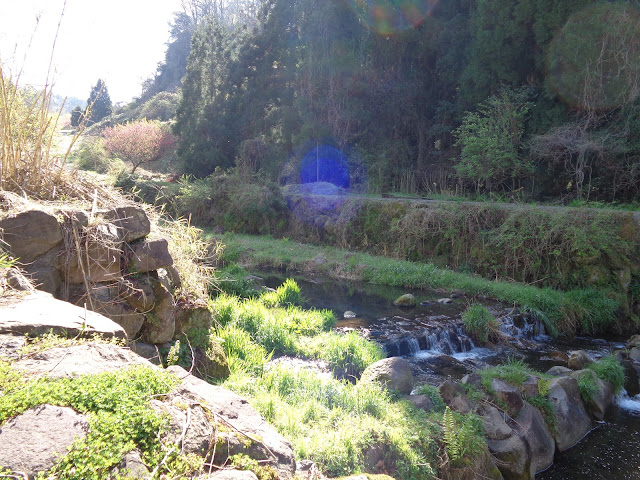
(609, 369)
(479, 322)
(287, 294)
(347, 354)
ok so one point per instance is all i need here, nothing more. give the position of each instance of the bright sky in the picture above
(120, 41)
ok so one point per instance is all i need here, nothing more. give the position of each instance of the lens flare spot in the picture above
(388, 17)
(593, 63)
(325, 164)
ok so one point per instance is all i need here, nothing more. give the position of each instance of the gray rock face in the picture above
(44, 271)
(132, 222)
(98, 258)
(602, 397)
(260, 440)
(579, 359)
(559, 371)
(513, 457)
(148, 255)
(43, 434)
(422, 402)
(40, 313)
(531, 426)
(161, 321)
(31, 233)
(508, 394)
(89, 358)
(494, 423)
(572, 420)
(190, 419)
(10, 345)
(394, 373)
(132, 466)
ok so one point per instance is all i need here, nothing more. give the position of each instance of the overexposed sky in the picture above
(120, 41)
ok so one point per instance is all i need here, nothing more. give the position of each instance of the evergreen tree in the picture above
(99, 102)
(77, 115)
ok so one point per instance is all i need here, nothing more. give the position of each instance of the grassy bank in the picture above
(563, 312)
(344, 426)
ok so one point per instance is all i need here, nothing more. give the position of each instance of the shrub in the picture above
(92, 156)
(594, 310)
(479, 322)
(609, 369)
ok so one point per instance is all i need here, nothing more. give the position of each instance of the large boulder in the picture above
(83, 359)
(148, 255)
(513, 457)
(572, 420)
(94, 258)
(245, 431)
(579, 360)
(44, 272)
(602, 397)
(393, 373)
(495, 424)
(229, 474)
(406, 300)
(508, 395)
(189, 426)
(40, 313)
(131, 221)
(31, 233)
(35, 440)
(531, 426)
(160, 326)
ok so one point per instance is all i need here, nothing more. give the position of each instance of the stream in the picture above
(431, 337)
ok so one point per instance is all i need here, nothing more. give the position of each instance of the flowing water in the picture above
(431, 337)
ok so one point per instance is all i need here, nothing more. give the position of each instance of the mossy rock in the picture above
(210, 363)
(406, 300)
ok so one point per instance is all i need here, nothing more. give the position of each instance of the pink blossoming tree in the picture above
(139, 142)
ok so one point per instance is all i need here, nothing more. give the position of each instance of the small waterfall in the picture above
(624, 401)
(443, 339)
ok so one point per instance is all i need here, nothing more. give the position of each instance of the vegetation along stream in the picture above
(431, 337)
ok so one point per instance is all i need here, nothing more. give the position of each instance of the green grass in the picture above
(120, 418)
(560, 311)
(479, 322)
(513, 371)
(609, 369)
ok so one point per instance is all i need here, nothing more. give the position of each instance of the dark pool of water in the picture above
(610, 451)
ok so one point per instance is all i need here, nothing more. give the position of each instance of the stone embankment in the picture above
(104, 260)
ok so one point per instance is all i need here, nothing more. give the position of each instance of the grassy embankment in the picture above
(559, 310)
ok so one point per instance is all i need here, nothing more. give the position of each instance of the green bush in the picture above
(463, 437)
(513, 371)
(91, 155)
(479, 322)
(609, 369)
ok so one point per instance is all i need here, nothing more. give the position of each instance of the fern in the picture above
(451, 437)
